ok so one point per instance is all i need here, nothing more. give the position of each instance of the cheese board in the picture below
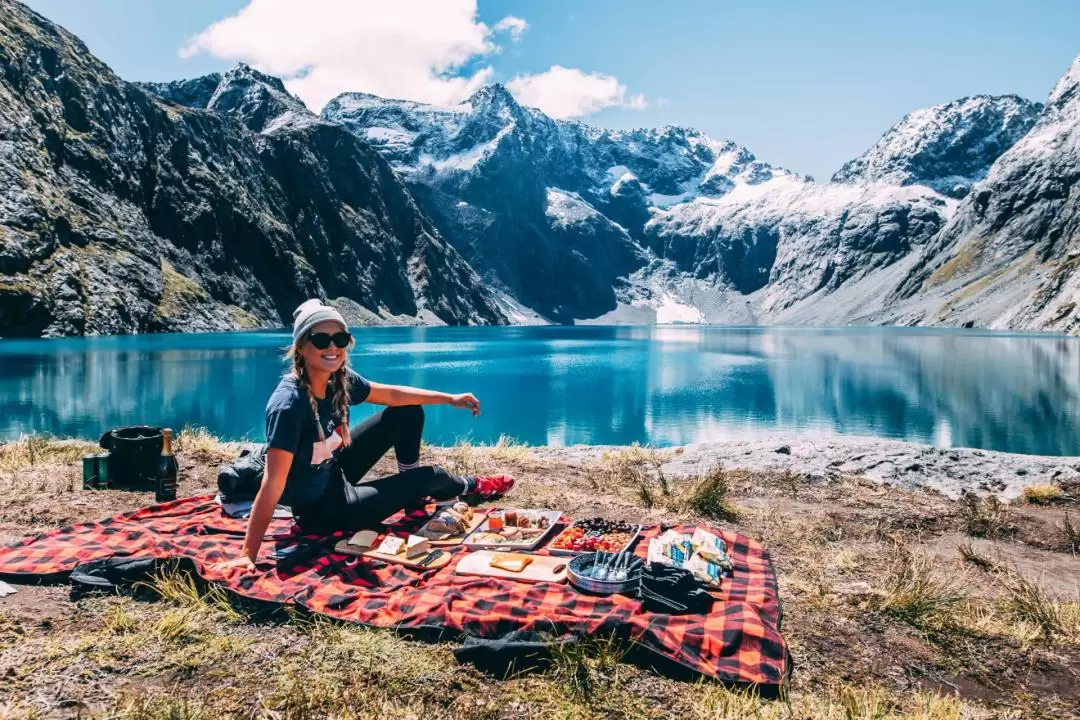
(513, 529)
(422, 561)
(437, 538)
(543, 568)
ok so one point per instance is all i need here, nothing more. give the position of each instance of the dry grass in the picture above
(917, 592)
(635, 467)
(1071, 533)
(194, 652)
(1042, 494)
(587, 666)
(135, 706)
(38, 450)
(467, 458)
(972, 556)
(986, 517)
(183, 589)
(200, 444)
(709, 497)
(1029, 603)
(838, 702)
(646, 496)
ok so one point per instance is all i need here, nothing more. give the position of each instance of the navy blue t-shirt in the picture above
(290, 425)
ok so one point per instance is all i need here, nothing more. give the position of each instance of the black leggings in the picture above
(347, 504)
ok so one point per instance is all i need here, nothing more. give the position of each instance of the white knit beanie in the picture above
(311, 313)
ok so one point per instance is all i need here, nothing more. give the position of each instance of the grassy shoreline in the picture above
(898, 604)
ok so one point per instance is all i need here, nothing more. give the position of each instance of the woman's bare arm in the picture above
(396, 395)
(278, 463)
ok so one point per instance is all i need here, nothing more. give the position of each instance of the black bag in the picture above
(672, 591)
(109, 574)
(239, 481)
(114, 574)
(134, 454)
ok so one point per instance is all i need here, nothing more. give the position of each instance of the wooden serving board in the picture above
(345, 548)
(478, 519)
(543, 568)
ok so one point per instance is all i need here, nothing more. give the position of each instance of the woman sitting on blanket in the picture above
(314, 462)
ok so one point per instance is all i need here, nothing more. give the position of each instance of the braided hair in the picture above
(338, 385)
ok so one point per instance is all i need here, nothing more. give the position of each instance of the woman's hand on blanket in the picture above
(242, 561)
(466, 401)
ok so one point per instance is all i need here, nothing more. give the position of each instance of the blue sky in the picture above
(806, 85)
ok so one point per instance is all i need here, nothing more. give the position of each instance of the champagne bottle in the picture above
(167, 471)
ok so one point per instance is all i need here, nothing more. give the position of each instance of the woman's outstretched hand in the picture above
(466, 401)
(242, 561)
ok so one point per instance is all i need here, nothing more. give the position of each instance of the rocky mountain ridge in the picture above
(220, 202)
(947, 147)
(1008, 256)
(681, 226)
(122, 212)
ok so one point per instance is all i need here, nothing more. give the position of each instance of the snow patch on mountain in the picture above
(669, 310)
(948, 147)
(389, 136)
(565, 209)
(458, 162)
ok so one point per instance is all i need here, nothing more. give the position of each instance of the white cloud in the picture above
(430, 51)
(413, 49)
(568, 92)
(515, 25)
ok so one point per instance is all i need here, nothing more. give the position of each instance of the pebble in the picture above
(854, 588)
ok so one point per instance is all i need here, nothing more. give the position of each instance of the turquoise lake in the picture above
(662, 385)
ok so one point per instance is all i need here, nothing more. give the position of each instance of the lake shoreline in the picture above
(895, 463)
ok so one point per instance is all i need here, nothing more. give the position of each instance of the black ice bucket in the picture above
(133, 456)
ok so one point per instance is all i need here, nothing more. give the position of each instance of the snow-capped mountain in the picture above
(258, 100)
(947, 147)
(1008, 257)
(452, 146)
(221, 202)
(694, 228)
(791, 241)
(553, 211)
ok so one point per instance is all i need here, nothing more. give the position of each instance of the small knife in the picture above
(430, 558)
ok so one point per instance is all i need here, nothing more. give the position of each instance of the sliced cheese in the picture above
(391, 545)
(511, 562)
(416, 546)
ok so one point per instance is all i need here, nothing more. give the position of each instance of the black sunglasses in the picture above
(322, 340)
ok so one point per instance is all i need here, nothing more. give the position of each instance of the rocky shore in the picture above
(904, 465)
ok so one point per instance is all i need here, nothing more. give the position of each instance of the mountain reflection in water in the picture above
(596, 385)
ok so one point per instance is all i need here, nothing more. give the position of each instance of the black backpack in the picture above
(239, 480)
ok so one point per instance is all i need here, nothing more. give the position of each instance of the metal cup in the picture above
(89, 472)
(95, 472)
(102, 466)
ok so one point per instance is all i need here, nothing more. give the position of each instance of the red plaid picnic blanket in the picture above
(738, 642)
